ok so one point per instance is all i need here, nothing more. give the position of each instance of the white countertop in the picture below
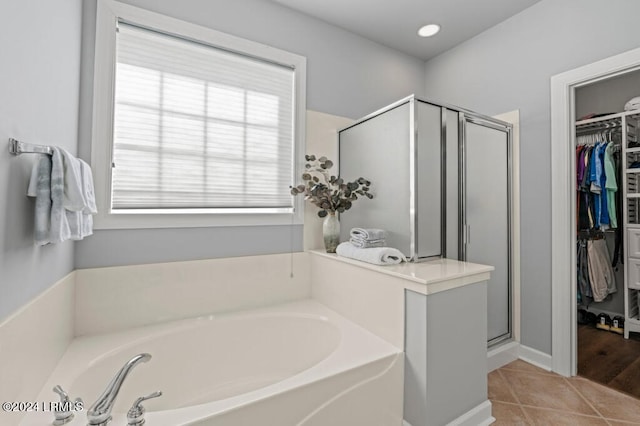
(426, 277)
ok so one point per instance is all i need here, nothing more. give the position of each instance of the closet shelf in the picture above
(632, 150)
(632, 170)
(635, 114)
(633, 195)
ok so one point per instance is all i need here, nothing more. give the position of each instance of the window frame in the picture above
(109, 13)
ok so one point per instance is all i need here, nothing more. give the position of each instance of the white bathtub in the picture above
(294, 364)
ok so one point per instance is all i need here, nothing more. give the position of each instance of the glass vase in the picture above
(331, 232)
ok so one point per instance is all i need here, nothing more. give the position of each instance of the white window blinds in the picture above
(198, 127)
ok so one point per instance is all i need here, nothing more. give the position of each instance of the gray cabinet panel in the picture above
(445, 354)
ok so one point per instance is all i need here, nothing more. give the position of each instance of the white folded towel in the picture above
(360, 243)
(368, 233)
(376, 255)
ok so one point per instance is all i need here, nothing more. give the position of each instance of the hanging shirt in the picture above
(586, 183)
(611, 185)
(595, 174)
(604, 210)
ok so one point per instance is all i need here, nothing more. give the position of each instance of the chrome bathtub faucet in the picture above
(99, 413)
(135, 415)
(64, 409)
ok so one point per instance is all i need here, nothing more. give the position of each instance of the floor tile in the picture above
(610, 403)
(543, 417)
(521, 365)
(499, 389)
(546, 391)
(508, 415)
(617, 423)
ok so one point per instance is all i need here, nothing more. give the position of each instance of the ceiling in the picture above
(395, 23)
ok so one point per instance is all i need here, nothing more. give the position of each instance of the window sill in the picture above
(192, 220)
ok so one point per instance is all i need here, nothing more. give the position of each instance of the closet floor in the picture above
(609, 359)
(523, 394)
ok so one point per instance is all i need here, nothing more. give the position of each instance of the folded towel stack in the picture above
(367, 237)
(65, 200)
(375, 255)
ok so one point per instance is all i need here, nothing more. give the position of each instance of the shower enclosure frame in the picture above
(464, 116)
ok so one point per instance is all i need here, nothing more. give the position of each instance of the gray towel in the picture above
(377, 255)
(40, 188)
(368, 233)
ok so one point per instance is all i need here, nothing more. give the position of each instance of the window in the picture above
(201, 128)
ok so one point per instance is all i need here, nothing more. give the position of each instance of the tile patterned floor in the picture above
(522, 394)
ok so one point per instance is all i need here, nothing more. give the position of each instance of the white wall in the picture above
(39, 84)
(347, 76)
(508, 67)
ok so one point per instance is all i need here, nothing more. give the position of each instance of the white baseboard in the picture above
(405, 423)
(509, 352)
(502, 355)
(535, 357)
(480, 415)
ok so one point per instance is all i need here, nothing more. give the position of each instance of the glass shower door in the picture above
(485, 215)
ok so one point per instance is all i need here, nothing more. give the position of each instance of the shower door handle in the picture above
(466, 234)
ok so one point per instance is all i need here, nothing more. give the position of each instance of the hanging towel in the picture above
(73, 199)
(377, 255)
(368, 233)
(40, 188)
(367, 243)
(88, 194)
(65, 200)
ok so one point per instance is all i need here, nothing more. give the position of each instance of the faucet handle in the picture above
(135, 415)
(63, 410)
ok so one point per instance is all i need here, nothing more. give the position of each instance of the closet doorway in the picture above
(607, 171)
(589, 119)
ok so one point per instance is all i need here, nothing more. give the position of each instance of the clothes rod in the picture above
(16, 148)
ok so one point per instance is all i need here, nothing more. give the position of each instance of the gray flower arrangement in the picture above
(333, 194)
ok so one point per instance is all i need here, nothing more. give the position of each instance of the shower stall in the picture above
(441, 178)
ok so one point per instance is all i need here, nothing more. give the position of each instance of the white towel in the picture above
(368, 233)
(360, 243)
(88, 194)
(377, 255)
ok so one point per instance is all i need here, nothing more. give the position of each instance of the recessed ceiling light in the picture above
(429, 30)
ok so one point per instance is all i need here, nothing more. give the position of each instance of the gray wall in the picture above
(347, 76)
(508, 67)
(39, 77)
